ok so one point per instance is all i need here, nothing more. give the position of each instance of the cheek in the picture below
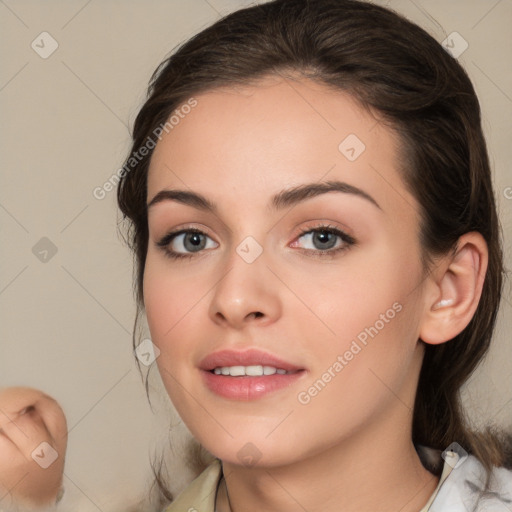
(365, 291)
(176, 306)
(168, 302)
(369, 317)
(168, 306)
(167, 297)
(364, 372)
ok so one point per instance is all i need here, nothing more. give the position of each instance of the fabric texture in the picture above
(459, 490)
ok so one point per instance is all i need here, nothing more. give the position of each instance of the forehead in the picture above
(273, 134)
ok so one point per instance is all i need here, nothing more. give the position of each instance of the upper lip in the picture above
(250, 357)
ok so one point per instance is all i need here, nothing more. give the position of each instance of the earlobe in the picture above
(456, 290)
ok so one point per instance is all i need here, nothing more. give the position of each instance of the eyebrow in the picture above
(281, 200)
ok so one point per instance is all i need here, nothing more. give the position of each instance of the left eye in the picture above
(325, 239)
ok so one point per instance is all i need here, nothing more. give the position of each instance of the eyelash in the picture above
(323, 228)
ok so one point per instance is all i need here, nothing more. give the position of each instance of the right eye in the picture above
(185, 243)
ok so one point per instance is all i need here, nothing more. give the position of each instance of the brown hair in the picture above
(394, 68)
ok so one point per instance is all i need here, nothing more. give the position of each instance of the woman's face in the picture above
(279, 164)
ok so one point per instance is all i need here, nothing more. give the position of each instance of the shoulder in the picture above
(464, 487)
(199, 495)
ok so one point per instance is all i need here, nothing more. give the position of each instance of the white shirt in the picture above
(463, 484)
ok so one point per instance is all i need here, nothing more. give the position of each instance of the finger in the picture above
(10, 455)
(14, 400)
(6, 417)
(53, 417)
(27, 431)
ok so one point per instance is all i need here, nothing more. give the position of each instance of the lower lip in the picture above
(248, 388)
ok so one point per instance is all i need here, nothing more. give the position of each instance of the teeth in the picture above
(252, 371)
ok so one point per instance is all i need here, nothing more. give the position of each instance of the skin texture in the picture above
(29, 417)
(349, 448)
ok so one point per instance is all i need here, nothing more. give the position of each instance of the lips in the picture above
(251, 357)
(239, 385)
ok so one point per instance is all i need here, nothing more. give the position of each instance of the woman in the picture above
(319, 261)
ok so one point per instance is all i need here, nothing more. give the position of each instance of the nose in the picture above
(247, 294)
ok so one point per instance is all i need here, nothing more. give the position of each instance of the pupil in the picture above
(323, 237)
(193, 241)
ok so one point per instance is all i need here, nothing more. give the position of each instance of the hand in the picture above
(28, 474)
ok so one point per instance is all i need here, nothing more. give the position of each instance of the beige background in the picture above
(66, 323)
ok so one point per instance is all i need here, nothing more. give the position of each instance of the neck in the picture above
(386, 477)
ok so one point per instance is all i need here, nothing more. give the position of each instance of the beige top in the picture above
(200, 495)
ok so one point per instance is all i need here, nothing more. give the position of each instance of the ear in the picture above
(454, 290)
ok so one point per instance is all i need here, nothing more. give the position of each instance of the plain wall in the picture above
(66, 323)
